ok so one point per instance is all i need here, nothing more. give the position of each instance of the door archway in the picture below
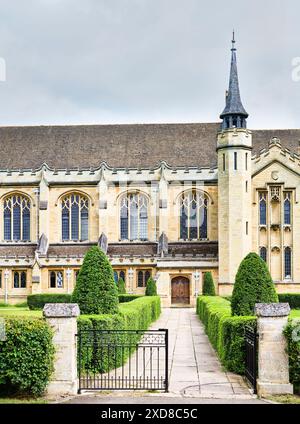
(180, 291)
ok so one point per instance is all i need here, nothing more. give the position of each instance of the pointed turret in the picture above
(234, 114)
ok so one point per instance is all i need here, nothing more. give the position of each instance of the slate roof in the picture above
(124, 146)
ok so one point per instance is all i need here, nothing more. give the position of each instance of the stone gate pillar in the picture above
(273, 361)
(62, 317)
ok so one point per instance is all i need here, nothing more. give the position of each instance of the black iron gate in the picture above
(251, 356)
(123, 360)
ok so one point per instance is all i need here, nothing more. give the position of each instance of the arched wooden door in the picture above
(180, 291)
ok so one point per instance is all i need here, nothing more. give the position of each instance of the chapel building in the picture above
(171, 201)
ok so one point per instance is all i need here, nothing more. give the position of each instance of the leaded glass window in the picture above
(288, 263)
(134, 217)
(74, 217)
(56, 279)
(263, 208)
(16, 218)
(287, 209)
(20, 279)
(263, 253)
(193, 216)
(142, 277)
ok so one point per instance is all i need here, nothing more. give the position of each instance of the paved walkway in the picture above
(196, 375)
(194, 367)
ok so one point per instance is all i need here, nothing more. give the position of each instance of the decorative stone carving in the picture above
(103, 243)
(163, 245)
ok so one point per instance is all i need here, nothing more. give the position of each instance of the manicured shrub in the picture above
(38, 301)
(26, 356)
(292, 298)
(121, 286)
(208, 285)
(135, 315)
(151, 289)
(292, 334)
(226, 333)
(124, 298)
(95, 290)
(253, 284)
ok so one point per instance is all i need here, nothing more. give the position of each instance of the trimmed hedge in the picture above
(225, 332)
(26, 356)
(292, 298)
(292, 334)
(38, 301)
(208, 285)
(124, 298)
(95, 290)
(151, 289)
(253, 284)
(121, 286)
(135, 315)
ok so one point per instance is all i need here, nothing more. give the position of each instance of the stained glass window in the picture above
(16, 218)
(193, 216)
(74, 218)
(134, 217)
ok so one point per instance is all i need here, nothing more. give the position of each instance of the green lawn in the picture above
(13, 311)
(22, 400)
(295, 313)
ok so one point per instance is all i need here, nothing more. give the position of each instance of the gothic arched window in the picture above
(288, 263)
(193, 216)
(287, 209)
(263, 208)
(263, 253)
(75, 217)
(16, 218)
(134, 217)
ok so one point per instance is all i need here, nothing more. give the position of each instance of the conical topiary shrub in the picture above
(95, 290)
(151, 289)
(253, 284)
(121, 286)
(208, 285)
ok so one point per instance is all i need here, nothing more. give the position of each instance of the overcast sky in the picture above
(140, 61)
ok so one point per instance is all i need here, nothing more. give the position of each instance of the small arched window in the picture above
(193, 215)
(75, 217)
(134, 217)
(288, 263)
(287, 209)
(263, 208)
(16, 218)
(263, 253)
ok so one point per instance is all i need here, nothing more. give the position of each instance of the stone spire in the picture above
(234, 114)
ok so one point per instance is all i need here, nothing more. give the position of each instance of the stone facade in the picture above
(171, 168)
